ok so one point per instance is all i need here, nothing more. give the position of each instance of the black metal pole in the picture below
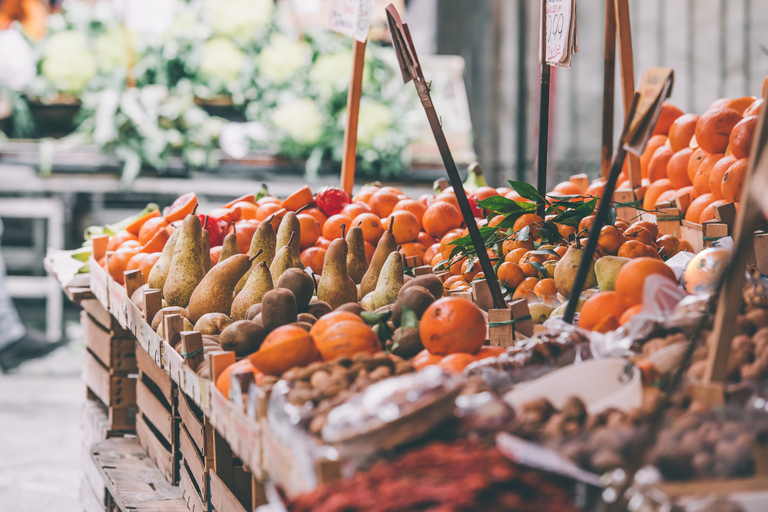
(541, 167)
(522, 91)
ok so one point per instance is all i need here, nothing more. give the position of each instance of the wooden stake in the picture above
(353, 113)
(609, 74)
(541, 166)
(626, 60)
(172, 326)
(133, 280)
(99, 247)
(153, 302)
(192, 348)
(411, 70)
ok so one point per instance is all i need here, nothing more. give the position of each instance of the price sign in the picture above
(655, 87)
(352, 17)
(561, 36)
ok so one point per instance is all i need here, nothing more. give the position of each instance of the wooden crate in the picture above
(193, 462)
(189, 491)
(114, 351)
(235, 496)
(116, 392)
(691, 232)
(198, 428)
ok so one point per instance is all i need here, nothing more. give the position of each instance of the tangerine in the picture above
(309, 230)
(314, 258)
(382, 202)
(631, 278)
(283, 348)
(714, 128)
(425, 358)
(602, 311)
(413, 206)
(332, 228)
(181, 207)
(352, 210)
(298, 199)
(681, 131)
(405, 226)
(733, 180)
(740, 140)
(696, 208)
(668, 245)
(451, 325)
(346, 338)
(455, 363)
(510, 274)
(441, 217)
(716, 175)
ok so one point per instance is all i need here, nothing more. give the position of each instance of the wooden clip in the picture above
(241, 382)
(172, 326)
(413, 261)
(192, 348)
(422, 270)
(99, 247)
(153, 302)
(481, 294)
(134, 280)
(218, 361)
(712, 231)
(520, 310)
(500, 335)
(443, 275)
(726, 213)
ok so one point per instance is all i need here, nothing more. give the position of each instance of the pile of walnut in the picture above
(329, 383)
(693, 444)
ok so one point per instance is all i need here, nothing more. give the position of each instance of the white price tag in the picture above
(561, 36)
(352, 17)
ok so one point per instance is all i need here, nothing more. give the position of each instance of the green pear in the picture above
(606, 270)
(560, 310)
(388, 286)
(386, 245)
(159, 272)
(186, 270)
(335, 286)
(257, 285)
(568, 266)
(289, 225)
(229, 246)
(263, 240)
(284, 259)
(540, 311)
(357, 262)
(214, 293)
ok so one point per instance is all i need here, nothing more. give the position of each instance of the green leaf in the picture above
(408, 318)
(372, 318)
(542, 270)
(548, 231)
(384, 332)
(611, 219)
(509, 220)
(547, 252)
(466, 241)
(581, 211)
(527, 191)
(522, 235)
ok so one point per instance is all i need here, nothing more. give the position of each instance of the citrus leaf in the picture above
(527, 191)
(409, 318)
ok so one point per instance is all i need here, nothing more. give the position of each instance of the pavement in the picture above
(40, 444)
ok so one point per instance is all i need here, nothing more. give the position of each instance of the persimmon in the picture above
(283, 348)
(452, 324)
(631, 278)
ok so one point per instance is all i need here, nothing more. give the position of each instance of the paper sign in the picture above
(561, 36)
(655, 87)
(352, 17)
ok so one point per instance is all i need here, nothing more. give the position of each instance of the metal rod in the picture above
(609, 77)
(541, 167)
(522, 91)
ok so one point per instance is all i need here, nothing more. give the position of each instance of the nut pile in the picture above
(328, 384)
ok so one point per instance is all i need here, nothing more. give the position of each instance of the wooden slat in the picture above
(92, 477)
(192, 498)
(98, 313)
(133, 480)
(94, 423)
(222, 498)
(115, 353)
(154, 411)
(151, 370)
(163, 458)
(115, 391)
(192, 458)
(195, 428)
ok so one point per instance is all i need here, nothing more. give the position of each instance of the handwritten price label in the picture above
(560, 37)
(352, 17)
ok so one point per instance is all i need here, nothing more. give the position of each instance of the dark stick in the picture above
(522, 90)
(597, 225)
(541, 167)
(609, 77)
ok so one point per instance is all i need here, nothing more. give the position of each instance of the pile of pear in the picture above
(242, 298)
(601, 275)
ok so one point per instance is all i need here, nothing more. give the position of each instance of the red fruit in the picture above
(331, 200)
(476, 212)
(217, 229)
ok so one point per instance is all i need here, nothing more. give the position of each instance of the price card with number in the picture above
(352, 17)
(561, 35)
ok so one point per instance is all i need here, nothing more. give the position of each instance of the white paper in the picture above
(352, 17)
(562, 34)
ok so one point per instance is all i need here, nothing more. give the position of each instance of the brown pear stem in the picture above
(391, 223)
(306, 206)
(194, 210)
(293, 233)
(343, 230)
(263, 264)
(255, 255)
(269, 219)
(234, 228)
(205, 222)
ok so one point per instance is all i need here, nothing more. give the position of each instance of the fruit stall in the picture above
(593, 346)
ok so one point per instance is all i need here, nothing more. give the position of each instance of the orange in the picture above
(527, 219)
(733, 180)
(655, 190)
(150, 229)
(611, 239)
(714, 128)
(118, 261)
(441, 217)
(451, 325)
(453, 280)
(514, 196)
(405, 226)
(629, 313)
(246, 210)
(425, 358)
(654, 143)
(326, 321)
(228, 215)
(682, 130)
(317, 214)
(298, 199)
(146, 264)
(410, 249)
(365, 194)
(262, 201)
(371, 226)
(696, 208)
(455, 363)
(310, 230)
(448, 196)
(640, 234)
(116, 240)
(486, 352)
(586, 223)
(515, 255)
(595, 189)
(677, 168)
(332, 228)
(382, 202)
(430, 252)
(157, 242)
(667, 196)
(740, 140)
(267, 209)
(526, 266)
(657, 167)
(566, 188)
(755, 108)
(716, 175)
(601, 312)
(467, 274)
(314, 258)
(135, 261)
(369, 250)
(323, 243)
(352, 210)
(631, 278)
(740, 104)
(525, 290)
(481, 193)
(283, 348)
(685, 191)
(668, 246)
(445, 241)
(669, 113)
(545, 288)
(502, 191)
(632, 249)
(697, 157)
(346, 338)
(513, 243)
(719, 103)
(251, 198)
(685, 246)
(224, 380)
(413, 206)
(709, 211)
(510, 274)
(181, 207)
(135, 226)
